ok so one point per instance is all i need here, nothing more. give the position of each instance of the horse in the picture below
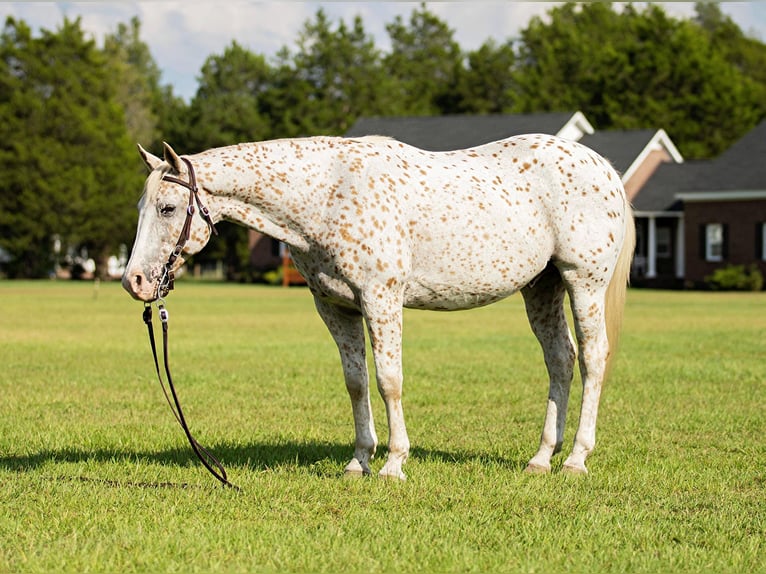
(375, 225)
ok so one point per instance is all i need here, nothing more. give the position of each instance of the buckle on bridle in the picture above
(165, 284)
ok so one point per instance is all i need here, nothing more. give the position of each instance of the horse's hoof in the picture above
(537, 469)
(356, 469)
(392, 475)
(573, 470)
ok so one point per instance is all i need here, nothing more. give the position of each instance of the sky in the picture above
(182, 34)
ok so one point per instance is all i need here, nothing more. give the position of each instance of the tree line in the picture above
(71, 110)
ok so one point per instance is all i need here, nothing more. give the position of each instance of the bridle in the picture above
(168, 277)
(165, 285)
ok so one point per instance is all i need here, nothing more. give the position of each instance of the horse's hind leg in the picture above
(544, 300)
(588, 310)
(347, 329)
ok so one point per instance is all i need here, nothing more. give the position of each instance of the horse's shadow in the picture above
(253, 456)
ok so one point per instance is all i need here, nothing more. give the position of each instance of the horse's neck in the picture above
(267, 187)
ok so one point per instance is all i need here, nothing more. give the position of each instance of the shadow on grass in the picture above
(255, 456)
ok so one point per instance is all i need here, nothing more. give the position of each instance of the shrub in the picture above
(736, 278)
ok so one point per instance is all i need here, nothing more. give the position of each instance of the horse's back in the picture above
(483, 222)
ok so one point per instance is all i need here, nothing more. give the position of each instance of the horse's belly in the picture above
(448, 297)
(470, 271)
(466, 291)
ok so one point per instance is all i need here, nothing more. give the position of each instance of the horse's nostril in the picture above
(139, 280)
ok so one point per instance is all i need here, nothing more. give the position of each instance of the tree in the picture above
(635, 69)
(425, 61)
(68, 168)
(226, 108)
(333, 77)
(153, 113)
(747, 55)
(486, 85)
(26, 217)
(139, 80)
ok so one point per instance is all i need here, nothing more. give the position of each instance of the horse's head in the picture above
(166, 226)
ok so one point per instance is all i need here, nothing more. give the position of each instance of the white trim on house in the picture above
(660, 140)
(680, 250)
(763, 241)
(576, 127)
(733, 195)
(679, 214)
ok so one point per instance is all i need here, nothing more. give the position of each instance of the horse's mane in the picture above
(373, 138)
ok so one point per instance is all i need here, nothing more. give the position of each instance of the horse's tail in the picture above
(615, 294)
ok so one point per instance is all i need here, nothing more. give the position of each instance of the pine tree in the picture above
(68, 166)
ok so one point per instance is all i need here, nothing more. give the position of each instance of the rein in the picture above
(166, 284)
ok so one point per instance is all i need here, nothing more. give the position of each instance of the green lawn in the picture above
(95, 475)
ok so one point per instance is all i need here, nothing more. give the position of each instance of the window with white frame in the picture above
(714, 242)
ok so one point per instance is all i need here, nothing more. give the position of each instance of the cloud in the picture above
(181, 35)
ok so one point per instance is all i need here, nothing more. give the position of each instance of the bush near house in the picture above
(736, 278)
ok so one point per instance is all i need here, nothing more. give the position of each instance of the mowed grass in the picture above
(95, 474)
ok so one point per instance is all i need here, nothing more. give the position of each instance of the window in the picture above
(663, 242)
(714, 242)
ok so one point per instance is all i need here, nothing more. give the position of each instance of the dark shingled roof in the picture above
(741, 167)
(445, 133)
(618, 146)
(659, 192)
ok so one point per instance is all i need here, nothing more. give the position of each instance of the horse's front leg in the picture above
(347, 329)
(383, 311)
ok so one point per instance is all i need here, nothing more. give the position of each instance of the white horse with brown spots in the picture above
(375, 225)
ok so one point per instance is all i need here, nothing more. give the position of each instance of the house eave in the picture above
(655, 214)
(576, 127)
(732, 195)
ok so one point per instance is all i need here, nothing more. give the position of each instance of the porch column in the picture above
(651, 249)
(680, 249)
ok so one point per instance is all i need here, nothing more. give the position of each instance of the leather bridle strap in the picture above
(206, 458)
(165, 285)
(168, 277)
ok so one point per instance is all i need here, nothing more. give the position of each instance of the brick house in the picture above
(724, 205)
(703, 215)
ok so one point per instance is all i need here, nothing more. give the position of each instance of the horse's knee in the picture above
(357, 388)
(390, 383)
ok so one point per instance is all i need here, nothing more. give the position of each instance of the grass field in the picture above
(95, 475)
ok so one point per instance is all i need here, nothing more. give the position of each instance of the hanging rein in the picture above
(165, 285)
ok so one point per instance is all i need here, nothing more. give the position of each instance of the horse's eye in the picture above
(167, 210)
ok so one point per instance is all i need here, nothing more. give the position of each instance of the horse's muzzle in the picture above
(139, 286)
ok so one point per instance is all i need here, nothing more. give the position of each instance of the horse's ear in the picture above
(173, 158)
(151, 161)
